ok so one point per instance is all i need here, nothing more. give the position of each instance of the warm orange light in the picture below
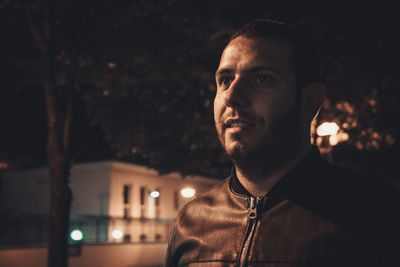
(117, 234)
(3, 165)
(327, 128)
(333, 140)
(188, 192)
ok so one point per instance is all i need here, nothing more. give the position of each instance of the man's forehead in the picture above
(255, 66)
(253, 53)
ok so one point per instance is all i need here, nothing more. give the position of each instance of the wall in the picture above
(90, 184)
(98, 189)
(27, 191)
(139, 176)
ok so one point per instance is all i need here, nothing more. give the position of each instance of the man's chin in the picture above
(244, 152)
(238, 153)
(240, 150)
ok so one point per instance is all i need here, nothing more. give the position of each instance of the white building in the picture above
(113, 202)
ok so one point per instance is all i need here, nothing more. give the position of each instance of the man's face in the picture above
(256, 108)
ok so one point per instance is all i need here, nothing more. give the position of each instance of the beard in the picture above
(275, 147)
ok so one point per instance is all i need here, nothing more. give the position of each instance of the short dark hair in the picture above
(306, 62)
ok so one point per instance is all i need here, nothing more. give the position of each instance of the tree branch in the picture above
(37, 36)
(70, 86)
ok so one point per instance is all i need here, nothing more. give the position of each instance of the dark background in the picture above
(144, 80)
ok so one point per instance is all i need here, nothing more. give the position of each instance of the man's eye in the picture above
(262, 79)
(225, 81)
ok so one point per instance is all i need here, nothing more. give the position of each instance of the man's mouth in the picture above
(238, 125)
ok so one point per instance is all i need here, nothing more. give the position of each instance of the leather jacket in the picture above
(317, 215)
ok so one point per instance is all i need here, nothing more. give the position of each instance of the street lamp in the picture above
(76, 235)
(188, 192)
(117, 234)
(155, 194)
(327, 133)
(328, 128)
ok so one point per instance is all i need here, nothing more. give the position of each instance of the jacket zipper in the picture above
(253, 218)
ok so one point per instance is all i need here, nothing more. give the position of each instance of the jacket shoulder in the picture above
(206, 198)
(351, 186)
(351, 198)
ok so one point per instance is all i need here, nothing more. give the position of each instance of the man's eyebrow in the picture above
(252, 69)
(223, 70)
(265, 68)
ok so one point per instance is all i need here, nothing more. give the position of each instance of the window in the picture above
(126, 213)
(126, 193)
(142, 195)
(143, 200)
(157, 199)
(176, 200)
(143, 237)
(157, 203)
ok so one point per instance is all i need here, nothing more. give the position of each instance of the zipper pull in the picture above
(254, 203)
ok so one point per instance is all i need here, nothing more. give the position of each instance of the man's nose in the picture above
(237, 94)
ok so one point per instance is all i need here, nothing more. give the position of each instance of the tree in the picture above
(58, 29)
(154, 98)
(59, 107)
(154, 101)
(63, 34)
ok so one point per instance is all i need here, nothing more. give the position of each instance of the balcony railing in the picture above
(33, 230)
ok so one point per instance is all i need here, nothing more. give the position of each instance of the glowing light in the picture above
(76, 235)
(327, 128)
(117, 234)
(333, 140)
(188, 192)
(155, 194)
(3, 165)
(343, 136)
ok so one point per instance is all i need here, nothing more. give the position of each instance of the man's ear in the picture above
(313, 97)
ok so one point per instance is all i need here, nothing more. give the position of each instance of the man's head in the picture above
(268, 91)
(304, 60)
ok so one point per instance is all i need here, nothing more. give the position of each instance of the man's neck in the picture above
(258, 180)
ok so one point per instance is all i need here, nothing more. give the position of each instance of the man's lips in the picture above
(238, 124)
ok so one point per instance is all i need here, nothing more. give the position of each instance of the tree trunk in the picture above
(59, 167)
(58, 129)
(59, 213)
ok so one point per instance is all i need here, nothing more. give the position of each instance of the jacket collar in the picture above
(296, 179)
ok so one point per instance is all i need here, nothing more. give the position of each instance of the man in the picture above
(283, 205)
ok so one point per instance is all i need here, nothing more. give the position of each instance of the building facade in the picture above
(113, 202)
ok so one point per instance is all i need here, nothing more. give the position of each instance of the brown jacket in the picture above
(317, 215)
